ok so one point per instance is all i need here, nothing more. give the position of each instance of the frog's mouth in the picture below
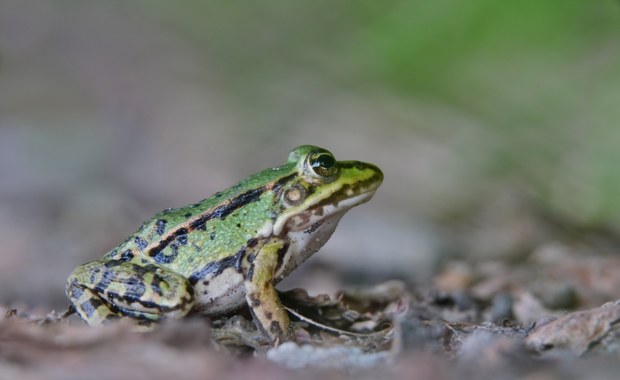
(328, 210)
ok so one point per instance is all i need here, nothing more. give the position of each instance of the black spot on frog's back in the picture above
(127, 255)
(160, 226)
(158, 252)
(160, 257)
(141, 243)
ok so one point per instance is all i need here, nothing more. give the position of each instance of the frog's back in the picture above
(192, 236)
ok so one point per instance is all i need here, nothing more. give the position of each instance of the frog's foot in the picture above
(103, 291)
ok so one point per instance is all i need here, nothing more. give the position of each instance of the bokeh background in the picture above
(496, 124)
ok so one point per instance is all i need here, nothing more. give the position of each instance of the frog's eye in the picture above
(322, 164)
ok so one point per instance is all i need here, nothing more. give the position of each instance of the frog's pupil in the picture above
(324, 160)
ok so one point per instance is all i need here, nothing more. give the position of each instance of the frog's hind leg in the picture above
(102, 291)
(89, 306)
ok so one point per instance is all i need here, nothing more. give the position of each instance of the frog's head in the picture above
(313, 200)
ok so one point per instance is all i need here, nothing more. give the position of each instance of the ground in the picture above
(537, 318)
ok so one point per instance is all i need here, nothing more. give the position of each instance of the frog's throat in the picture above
(312, 215)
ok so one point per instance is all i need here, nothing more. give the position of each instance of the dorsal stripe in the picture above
(219, 212)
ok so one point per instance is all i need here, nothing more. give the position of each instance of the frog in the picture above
(229, 250)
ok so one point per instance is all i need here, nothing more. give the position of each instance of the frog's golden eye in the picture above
(294, 195)
(323, 164)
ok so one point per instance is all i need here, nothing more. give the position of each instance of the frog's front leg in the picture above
(105, 290)
(261, 294)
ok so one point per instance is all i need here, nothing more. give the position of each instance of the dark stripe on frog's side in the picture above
(221, 212)
(200, 221)
(217, 267)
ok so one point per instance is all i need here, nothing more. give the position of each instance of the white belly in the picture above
(219, 294)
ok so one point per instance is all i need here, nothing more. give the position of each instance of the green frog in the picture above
(213, 256)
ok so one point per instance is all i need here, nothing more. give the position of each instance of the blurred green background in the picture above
(488, 118)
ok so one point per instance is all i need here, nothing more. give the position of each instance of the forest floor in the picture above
(551, 316)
